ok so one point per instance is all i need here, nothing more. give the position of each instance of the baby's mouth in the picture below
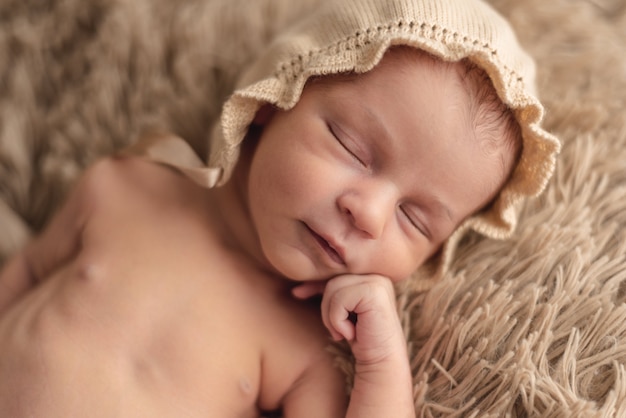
(327, 247)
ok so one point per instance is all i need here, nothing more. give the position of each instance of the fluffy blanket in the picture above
(531, 326)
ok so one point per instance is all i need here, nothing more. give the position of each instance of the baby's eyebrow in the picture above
(376, 124)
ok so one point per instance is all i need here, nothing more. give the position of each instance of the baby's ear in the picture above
(264, 115)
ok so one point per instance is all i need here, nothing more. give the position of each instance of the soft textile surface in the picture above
(531, 326)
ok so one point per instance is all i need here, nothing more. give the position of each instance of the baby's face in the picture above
(370, 174)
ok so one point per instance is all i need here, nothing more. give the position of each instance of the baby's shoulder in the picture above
(114, 175)
(133, 184)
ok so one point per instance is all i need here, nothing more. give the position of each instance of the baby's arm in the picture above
(55, 246)
(361, 309)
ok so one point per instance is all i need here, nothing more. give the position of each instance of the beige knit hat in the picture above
(352, 36)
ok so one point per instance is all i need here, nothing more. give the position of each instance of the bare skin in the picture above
(150, 296)
(122, 315)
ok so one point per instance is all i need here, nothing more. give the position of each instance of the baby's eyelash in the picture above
(422, 230)
(342, 143)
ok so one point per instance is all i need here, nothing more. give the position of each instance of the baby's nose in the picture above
(369, 209)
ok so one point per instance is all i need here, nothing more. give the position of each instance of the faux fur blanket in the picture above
(531, 326)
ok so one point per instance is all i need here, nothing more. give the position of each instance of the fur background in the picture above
(531, 326)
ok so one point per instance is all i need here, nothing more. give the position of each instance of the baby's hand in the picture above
(361, 309)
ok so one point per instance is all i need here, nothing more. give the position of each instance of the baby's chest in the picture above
(178, 340)
(143, 355)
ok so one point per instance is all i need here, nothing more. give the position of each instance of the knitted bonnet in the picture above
(352, 36)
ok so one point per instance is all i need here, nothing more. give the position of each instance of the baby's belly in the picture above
(80, 345)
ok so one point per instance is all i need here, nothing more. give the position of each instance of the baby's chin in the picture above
(298, 268)
(304, 275)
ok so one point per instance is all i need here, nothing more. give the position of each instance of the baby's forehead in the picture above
(445, 77)
(459, 82)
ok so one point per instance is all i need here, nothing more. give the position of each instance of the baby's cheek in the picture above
(398, 262)
(314, 180)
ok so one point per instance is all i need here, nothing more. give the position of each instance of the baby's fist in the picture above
(362, 310)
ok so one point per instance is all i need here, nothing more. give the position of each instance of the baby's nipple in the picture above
(245, 386)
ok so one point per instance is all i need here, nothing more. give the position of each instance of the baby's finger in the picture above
(308, 290)
(340, 320)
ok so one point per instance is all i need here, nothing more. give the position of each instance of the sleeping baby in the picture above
(356, 152)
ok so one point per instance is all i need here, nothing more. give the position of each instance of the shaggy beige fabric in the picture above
(531, 326)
